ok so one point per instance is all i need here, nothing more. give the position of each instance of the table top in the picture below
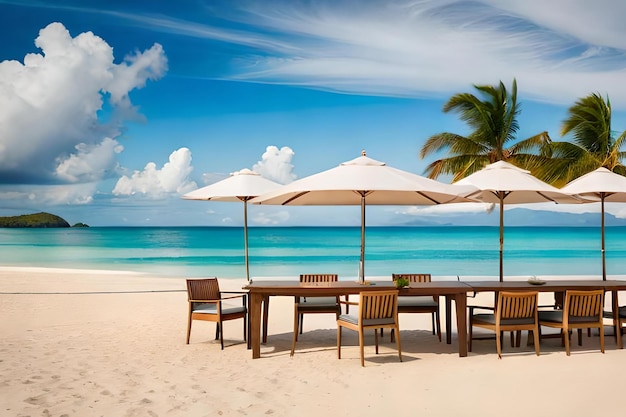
(294, 287)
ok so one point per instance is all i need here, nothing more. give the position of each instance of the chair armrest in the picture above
(472, 308)
(239, 295)
(352, 303)
(204, 301)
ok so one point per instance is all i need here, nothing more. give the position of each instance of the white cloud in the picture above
(49, 127)
(156, 183)
(275, 164)
(90, 163)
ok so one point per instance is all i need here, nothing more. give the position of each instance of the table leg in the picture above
(461, 322)
(448, 319)
(618, 330)
(266, 308)
(255, 324)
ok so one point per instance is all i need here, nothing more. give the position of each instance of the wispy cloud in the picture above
(422, 48)
(414, 47)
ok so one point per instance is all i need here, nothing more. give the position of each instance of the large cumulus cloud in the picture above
(49, 127)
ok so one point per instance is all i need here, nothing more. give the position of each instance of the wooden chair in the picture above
(581, 310)
(420, 304)
(377, 309)
(313, 305)
(206, 302)
(515, 311)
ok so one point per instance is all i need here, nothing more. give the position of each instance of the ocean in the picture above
(290, 251)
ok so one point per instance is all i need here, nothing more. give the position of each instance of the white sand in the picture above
(124, 354)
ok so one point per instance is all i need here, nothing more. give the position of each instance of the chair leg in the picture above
(217, 331)
(221, 334)
(601, 339)
(499, 345)
(469, 335)
(566, 339)
(361, 348)
(399, 345)
(536, 337)
(296, 320)
(188, 328)
(301, 322)
(376, 340)
(245, 327)
(338, 342)
(438, 321)
(580, 336)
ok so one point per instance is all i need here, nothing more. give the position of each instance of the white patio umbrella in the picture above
(364, 181)
(503, 183)
(240, 186)
(599, 185)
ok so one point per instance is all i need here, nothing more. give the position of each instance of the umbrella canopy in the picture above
(240, 186)
(364, 181)
(600, 185)
(503, 183)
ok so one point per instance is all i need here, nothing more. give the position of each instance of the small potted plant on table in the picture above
(401, 282)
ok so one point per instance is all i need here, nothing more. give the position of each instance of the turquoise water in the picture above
(218, 251)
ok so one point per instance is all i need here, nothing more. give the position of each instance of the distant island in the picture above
(41, 220)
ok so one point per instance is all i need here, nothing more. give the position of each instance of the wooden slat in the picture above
(319, 277)
(413, 277)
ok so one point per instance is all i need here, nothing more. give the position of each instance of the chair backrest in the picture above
(412, 277)
(516, 305)
(584, 304)
(319, 277)
(203, 289)
(378, 305)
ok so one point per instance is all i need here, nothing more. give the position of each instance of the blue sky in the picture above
(114, 109)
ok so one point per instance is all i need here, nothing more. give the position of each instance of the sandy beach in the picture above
(98, 343)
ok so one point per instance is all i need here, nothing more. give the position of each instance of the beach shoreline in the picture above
(120, 350)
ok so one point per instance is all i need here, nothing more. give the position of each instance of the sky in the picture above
(112, 110)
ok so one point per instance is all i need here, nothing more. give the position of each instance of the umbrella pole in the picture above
(501, 195)
(362, 263)
(245, 237)
(602, 195)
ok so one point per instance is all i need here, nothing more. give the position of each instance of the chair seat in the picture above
(556, 316)
(349, 318)
(212, 309)
(609, 314)
(491, 319)
(417, 301)
(317, 301)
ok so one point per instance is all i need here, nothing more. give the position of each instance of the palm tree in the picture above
(494, 126)
(594, 144)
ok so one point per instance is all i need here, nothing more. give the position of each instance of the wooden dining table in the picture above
(260, 291)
